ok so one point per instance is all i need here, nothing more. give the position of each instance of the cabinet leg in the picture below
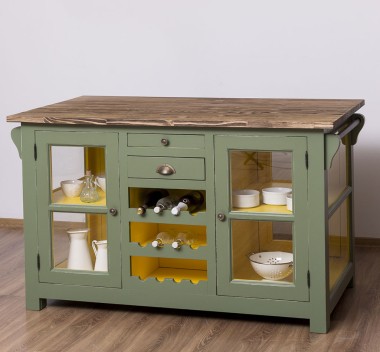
(351, 284)
(319, 324)
(33, 303)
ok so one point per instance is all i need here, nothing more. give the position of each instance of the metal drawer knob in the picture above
(165, 142)
(165, 170)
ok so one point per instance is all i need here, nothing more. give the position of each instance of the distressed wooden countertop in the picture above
(322, 114)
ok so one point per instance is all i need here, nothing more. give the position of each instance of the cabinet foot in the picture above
(320, 325)
(35, 303)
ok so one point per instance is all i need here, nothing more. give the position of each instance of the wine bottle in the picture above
(191, 202)
(151, 199)
(165, 203)
(184, 238)
(163, 238)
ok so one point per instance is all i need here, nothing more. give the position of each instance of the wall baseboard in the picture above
(359, 241)
(11, 223)
(367, 241)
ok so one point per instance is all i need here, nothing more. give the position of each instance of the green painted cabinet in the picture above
(274, 235)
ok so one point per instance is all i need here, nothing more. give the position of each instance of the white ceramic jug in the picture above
(79, 254)
(100, 250)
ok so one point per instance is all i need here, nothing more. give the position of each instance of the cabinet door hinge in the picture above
(307, 160)
(308, 279)
(38, 262)
(35, 151)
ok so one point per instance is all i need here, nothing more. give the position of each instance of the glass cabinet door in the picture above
(261, 197)
(78, 222)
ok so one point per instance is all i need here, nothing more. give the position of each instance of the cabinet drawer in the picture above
(166, 168)
(186, 141)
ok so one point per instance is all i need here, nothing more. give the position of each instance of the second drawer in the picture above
(166, 167)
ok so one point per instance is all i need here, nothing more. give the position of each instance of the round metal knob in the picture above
(221, 217)
(113, 211)
(165, 142)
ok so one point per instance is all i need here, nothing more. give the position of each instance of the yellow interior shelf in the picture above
(177, 275)
(59, 198)
(265, 208)
(169, 268)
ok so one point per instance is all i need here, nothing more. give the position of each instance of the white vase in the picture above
(100, 250)
(79, 254)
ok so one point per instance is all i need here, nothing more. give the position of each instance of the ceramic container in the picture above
(72, 188)
(289, 202)
(101, 182)
(275, 195)
(245, 198)
(100, 251)
(272, 265)
(79, 255)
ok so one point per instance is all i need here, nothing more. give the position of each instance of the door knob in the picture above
(113, 211)
(221, 217)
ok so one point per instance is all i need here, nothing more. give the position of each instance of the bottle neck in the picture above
(141, 210)
(157, 243)
(178, 244)
(159, 208)
(180, 207)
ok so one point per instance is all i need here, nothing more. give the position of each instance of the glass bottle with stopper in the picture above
(184, 238)
(165, 237)
(191, 202)
(151, 199)
(89, 193)
(165, 203)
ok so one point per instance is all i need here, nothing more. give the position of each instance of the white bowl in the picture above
(72, 188)
(272, 265)
(289, 202)
(275, 195)
(101, 182)
(245, 198)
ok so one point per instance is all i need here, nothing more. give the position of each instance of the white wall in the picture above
(55, 50)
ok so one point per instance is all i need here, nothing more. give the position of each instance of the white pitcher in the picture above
(100, 250)
(79, 254)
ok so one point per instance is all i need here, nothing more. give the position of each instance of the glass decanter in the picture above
(89, 193)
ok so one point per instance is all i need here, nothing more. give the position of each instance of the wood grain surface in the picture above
(73, 327)
(321, 114)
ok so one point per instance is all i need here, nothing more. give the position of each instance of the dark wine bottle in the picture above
(191, 202)
(151, 199)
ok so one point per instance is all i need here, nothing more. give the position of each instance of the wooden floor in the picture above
(70, 326)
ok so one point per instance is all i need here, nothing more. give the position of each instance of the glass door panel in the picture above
(78, 175)
(339, 242)
(262, 250)
(262, 240)
(79, 240)
(337, 174)
(260, 181)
